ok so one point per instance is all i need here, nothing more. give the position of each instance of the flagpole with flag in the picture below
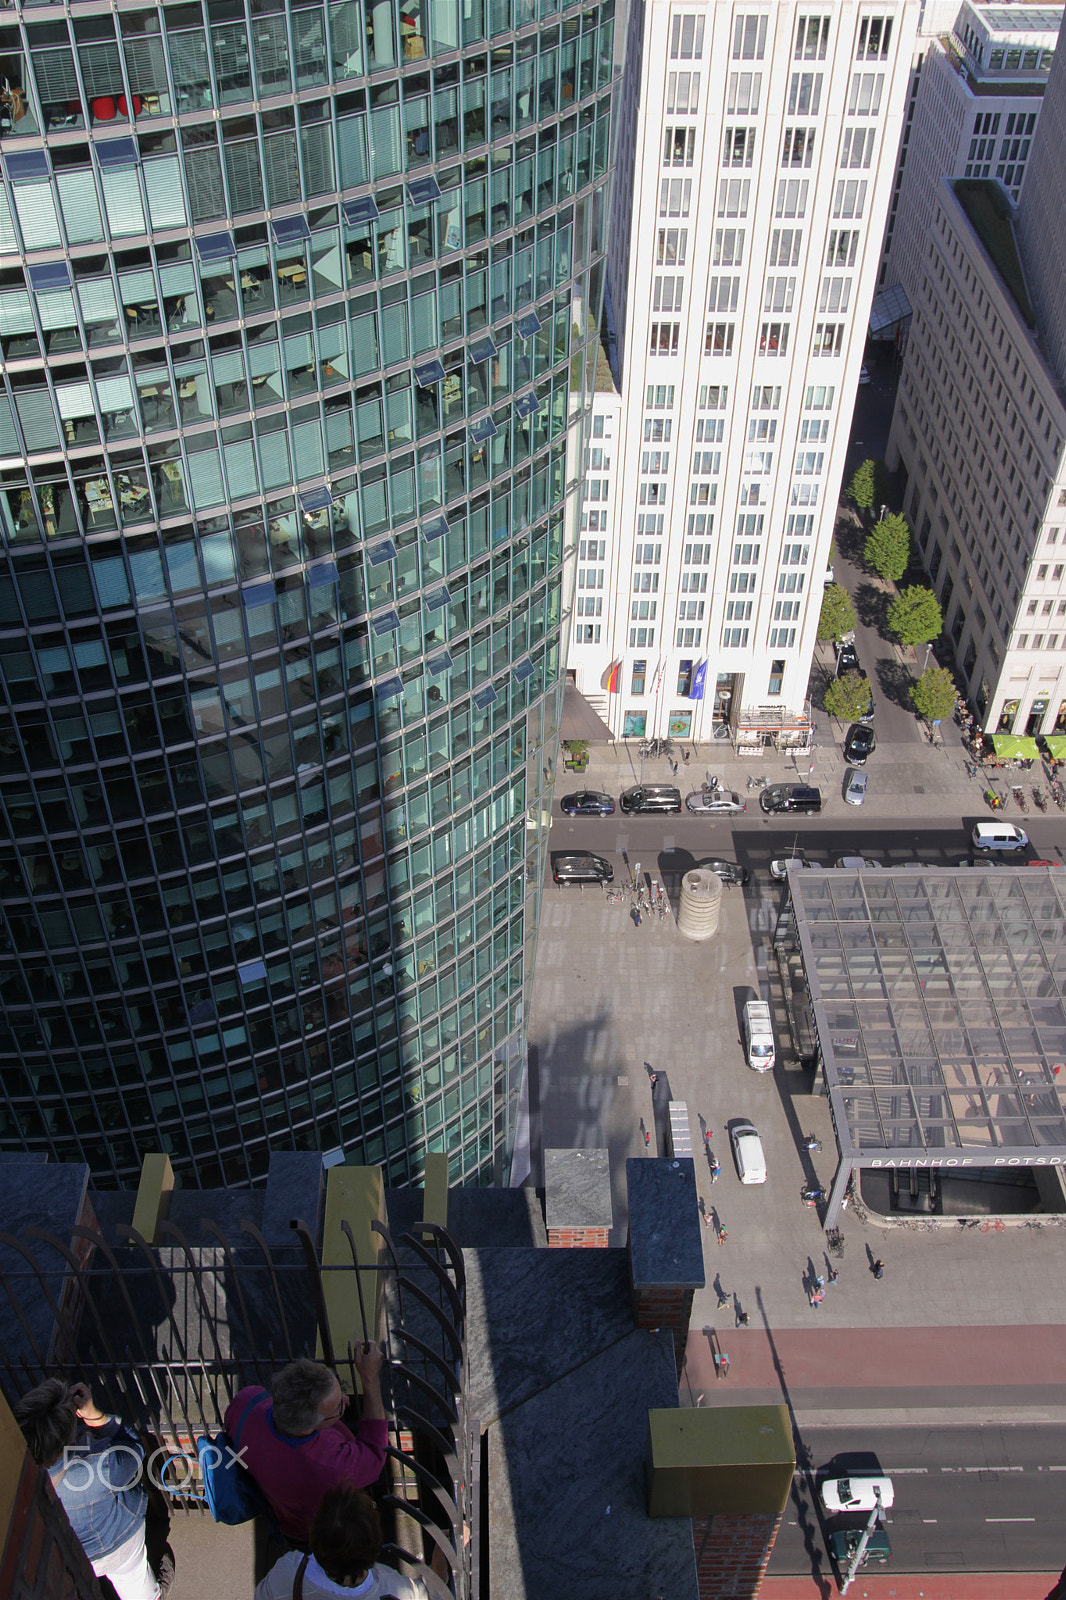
(698, 688)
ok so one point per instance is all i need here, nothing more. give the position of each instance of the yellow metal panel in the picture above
(435, 1189)
(355, 1195)
(12, 1456)
(722, 1459)
(153, 1194)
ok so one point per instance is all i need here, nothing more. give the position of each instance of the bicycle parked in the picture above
(835, 1240)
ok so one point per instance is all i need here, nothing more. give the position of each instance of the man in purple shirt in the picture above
(294, 1443)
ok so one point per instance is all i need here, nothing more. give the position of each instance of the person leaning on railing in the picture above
(96, 1468)
(295, 1444)
(344, 1557)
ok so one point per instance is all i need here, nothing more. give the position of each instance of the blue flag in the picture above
(699, 678)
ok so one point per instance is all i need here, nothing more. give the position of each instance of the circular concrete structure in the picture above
(701, 904)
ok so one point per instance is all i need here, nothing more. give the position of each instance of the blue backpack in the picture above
(232, 1494)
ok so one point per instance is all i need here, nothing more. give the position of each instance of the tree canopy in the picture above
(888, 547)
(934, 694)
(915, 616)
(837, 616)
(848, 697)
(868, 487)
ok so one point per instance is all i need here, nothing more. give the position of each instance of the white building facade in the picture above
(979, 93)
(755, 160)
(979, 428)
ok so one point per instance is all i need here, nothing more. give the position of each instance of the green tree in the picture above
(862, 489)
(914, 616)
(888, 547)
(837, 615)
(934, 694)
(848, 697)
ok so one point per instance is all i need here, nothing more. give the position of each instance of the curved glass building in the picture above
(298, 314)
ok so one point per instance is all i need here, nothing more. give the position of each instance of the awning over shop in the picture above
(579, 720)
(889, 307)
(1056, 745)
(1014, 747)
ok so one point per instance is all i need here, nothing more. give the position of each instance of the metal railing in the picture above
(166, 1335)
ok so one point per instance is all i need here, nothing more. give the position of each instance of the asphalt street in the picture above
(966, 1499)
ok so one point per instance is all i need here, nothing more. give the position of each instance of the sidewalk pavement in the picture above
(915, 1586)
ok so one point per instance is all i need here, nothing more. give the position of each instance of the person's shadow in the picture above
(740, 1316)
(723, 1294)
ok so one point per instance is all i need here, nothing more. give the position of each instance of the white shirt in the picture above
(379, 1583)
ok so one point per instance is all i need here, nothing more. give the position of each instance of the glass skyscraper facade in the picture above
(298, 319)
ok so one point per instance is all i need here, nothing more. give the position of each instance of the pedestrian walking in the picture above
(722, 1235)
(653, 1078)
(878, 1268)
(833, 1275)
(742, 1319)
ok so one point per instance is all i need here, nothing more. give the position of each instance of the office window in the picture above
(675, 197)
(778, 293)
(835, 294)
(660, 397)
(714, 396)
(729, 247)
(773, 339)
(686, 36)
(797, 147)
(734, 638)
(805, 94)
(679, 147)
(738, 147)
(828, 338)
(819, 397)
(785, 247)
(640, 669)
(857, 148)
(875, 35)
(664, 338)
(673, 245)
(743, 93)
(777, 677)
(843, 245)
(667, 294)
(733, 197)
(792, 197)
(749, 37)
(683, 93)
(866, 90)
(812, 38)
(718, 339)
(723, 294)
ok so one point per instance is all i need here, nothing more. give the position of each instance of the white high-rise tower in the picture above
(756, 152)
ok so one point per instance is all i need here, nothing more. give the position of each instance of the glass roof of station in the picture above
(938, 1000)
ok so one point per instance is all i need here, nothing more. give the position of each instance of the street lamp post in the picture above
(928, 652)
(876, 1516)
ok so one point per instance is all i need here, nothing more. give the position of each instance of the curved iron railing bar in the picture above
(195, 1268)
(213, 1229)
(418, 1424)
(434, 1584)
(439, 1315)
(145, 1248)
(446, 1402)
(31, 1260)
(430, 1354)
(253, 1232)
(447, 1242)
(432, 1483)
(306, 1239)
(451, 1289)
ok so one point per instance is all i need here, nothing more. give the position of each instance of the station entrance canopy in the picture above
(937, 1000)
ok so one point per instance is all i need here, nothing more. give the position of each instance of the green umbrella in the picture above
(1014, 747)
(1056, 745)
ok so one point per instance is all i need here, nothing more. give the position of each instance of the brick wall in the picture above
(577, 1238)
(42, 1558)
(732, 1554)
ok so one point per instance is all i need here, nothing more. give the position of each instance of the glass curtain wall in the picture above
(297, 310)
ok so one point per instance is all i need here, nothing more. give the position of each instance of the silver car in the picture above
(715, 801)
(855, 788)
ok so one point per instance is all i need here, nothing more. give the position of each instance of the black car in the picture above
(860, 743)
(580, 866)
(587, 803)
(651, 797)
(847, 660)
(791, 797)
(728, 871)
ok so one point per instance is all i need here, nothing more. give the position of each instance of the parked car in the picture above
(861, 742)
(779, 867)
(650, 797)
(847, 659)
(855, 787)
(715, 801)
(758, 1036)
(999, 836)
(587, 803)
(856, 1494)
(791, 797)
(748, 1152)
(855, 862)
(844, 1542)
(581, 866)
(728, 871)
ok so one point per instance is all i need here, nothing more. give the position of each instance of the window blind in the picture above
(81, 208)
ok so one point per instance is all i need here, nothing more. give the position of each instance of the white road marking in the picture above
(928, 1519)
(1010, 1519)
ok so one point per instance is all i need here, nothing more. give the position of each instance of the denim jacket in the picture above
(100, 1487)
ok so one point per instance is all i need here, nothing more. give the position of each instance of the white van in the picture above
(999, 836)
(758, 1036)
